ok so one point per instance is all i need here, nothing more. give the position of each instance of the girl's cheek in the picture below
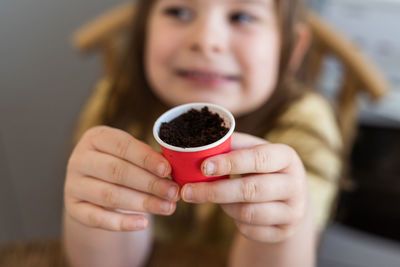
(164, 42)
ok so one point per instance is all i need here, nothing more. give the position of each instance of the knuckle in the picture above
(93, 136)
(295, 218)
(247, 214)
(68, 191)
(290, 151)
(146, 205)
(296, 215)
(283, 233)
(296, 188)
(75, 161)
(68, 204)
(153, 185)
(110, 198)
(292, 187)
(117, 171)
(244, 230)
(261, 159)
(72, 162)
(122, 146)
(151, 205)
(249, 190)
(276, 234)
(229, 165)
(95, 131)
(210, 194)
(147, 160)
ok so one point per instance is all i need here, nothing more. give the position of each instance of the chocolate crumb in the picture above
(193, 128)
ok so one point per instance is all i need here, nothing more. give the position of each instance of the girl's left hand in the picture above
(270, 199)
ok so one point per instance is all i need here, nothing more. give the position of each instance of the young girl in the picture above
(240, 54)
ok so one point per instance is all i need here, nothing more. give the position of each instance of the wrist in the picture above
(297, 250)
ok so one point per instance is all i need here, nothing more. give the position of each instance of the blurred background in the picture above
(44, 83)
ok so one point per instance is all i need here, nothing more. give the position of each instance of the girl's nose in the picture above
(208, 36)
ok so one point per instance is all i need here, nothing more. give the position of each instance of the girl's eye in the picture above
(241, 18)
(179, 13)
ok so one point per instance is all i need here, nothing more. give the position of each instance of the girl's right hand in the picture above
(110, 170)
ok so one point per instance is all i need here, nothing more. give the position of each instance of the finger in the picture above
(123, 145)
(265, 158)
(254, 188)
(262, 214)
(266, 234)
(121, 172)
(118, 197)
(98, 217)
(243, 140)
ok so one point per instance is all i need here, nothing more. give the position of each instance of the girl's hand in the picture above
(269, 201)
(109, 170)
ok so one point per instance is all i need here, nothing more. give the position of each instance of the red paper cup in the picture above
(186, 162)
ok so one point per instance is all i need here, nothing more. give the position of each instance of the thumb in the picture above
(242, 140)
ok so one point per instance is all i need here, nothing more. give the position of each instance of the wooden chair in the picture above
(360, 75)
(49, 253)
(105, 33)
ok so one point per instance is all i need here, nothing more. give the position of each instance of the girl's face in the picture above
(224, 52)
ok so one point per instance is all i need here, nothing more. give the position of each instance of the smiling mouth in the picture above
(206, 77)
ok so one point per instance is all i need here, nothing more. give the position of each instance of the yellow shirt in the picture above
(306, 126)
(303, 126)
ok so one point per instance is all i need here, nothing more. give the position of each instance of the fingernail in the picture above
(161, 169)
(140, 223)
(188, 193)
(172, 192)
(166, 207)
(209, 168)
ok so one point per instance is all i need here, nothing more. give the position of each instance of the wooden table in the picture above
(49, 254)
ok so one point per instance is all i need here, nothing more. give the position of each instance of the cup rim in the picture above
(186, 107)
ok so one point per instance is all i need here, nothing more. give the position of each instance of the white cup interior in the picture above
(171, 114)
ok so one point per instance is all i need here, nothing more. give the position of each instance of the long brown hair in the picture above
(131, 101)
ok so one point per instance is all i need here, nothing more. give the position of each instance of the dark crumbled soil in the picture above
(193, 129)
